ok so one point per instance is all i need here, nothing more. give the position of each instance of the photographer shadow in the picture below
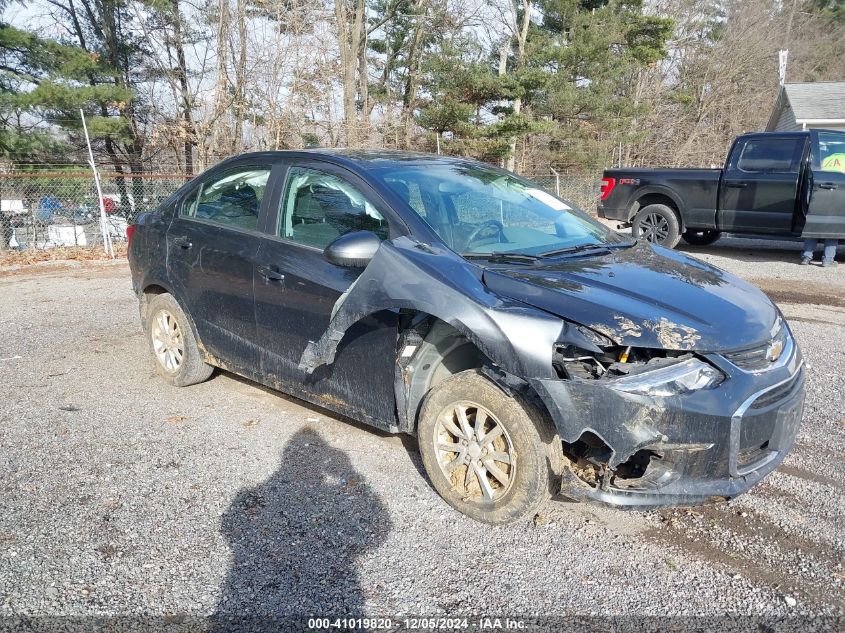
(294, 541)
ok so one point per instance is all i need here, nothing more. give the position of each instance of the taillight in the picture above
(607, 185)
(130, 231)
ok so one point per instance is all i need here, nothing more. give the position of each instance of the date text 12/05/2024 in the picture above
(416, 624)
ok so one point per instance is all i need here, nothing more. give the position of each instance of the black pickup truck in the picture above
(773, 183)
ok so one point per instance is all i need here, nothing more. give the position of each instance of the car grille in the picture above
(750, 455)
(763, 429)
(775, 395)
(753, 359)
(759, 358)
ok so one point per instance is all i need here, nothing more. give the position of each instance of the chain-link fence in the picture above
(581, 188)
(48, 207)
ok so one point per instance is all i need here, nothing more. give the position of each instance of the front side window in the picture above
(318, 207)
(771, 155)
(231, 199)
(477, 209)
(832, 151)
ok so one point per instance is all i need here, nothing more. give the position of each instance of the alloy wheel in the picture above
(168, 344)
(474, 452)
(654, 228)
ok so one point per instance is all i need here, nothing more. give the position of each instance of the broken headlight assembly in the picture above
(681, 377)
(642, 371)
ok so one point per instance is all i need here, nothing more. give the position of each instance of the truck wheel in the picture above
(177, 356)
(658, 224)
(490, 456)
(701, 238)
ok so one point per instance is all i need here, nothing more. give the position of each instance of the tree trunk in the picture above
(221, 99)
(363, 88)
(184, 91)
(350, 37)
(240, 78)
(522, 37)
(409, 96)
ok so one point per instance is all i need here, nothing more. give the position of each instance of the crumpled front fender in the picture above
(406, 274)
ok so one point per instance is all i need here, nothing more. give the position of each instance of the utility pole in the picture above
(104, 229)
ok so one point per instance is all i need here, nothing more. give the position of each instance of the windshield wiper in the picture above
(586, 247)
(503, 257)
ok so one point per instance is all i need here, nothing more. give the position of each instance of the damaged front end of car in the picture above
(647, 413)
(650, 426)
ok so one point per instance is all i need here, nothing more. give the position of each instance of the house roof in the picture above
(819, 101)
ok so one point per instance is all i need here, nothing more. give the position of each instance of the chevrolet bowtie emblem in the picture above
(774, 350)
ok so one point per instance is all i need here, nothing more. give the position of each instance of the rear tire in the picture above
(505, 455)
(658, 224)
(704, 237)
(175, 351)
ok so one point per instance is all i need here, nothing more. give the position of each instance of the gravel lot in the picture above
(122, 495)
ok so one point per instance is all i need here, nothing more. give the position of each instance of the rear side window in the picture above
(771, 155)
(229, 199)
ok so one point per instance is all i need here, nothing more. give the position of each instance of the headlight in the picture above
(684, 377)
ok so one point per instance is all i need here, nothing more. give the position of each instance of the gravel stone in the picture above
(122, 495)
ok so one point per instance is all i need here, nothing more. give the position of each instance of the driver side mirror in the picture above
(354, 250)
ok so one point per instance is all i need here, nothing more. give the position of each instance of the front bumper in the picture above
(711, 444)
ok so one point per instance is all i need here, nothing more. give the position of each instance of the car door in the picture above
(759, 187)
(825, 213)
(212, 245)
(296, 289)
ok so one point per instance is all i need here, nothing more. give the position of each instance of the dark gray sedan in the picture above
(531, 350)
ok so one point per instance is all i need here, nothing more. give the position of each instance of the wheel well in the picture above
(149, 292)
(153, 290)
(656, 198)
(444, 352)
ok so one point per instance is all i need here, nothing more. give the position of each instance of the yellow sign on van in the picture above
(834, 162)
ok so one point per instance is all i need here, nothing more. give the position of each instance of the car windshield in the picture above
(480, 210)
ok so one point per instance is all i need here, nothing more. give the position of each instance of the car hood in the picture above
(644, 296)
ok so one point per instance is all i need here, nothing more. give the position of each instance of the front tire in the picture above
(177, 356)
(704, 237)
(658, 224)
(490, 456)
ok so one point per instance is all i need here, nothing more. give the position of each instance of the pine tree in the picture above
(43, 85)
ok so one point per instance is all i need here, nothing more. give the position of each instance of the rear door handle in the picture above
(736, 185)
(183, 242)
(270, 274)
(828, 185)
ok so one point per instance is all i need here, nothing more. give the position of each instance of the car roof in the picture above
(363, 158)
(790, 133)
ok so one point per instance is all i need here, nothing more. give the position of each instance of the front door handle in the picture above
(828, 185)
(270, 274)
(183, 242)
(736, 185)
